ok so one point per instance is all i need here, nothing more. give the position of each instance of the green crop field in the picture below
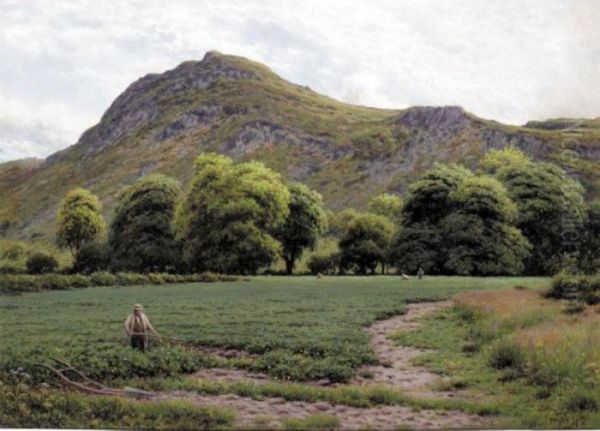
(299, 330)
(306, 328)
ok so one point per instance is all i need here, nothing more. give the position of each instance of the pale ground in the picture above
(396, 371)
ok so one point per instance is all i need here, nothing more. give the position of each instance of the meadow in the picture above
(528, 362)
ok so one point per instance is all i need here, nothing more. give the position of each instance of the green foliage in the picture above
(458, 223)
(495, 160)
(375, 142)
(303, 225)
(429, 198)
(13, 283)
(583, 287)
(41, 263)
(142, 236)
(550, 212)
(228, 218)
(589, 258)
(387, 205)
(79, 220)
(366, 243)
(92, 257)
(318, 324)
(338, 222)
(529, 384)
(324, 263)
(22, 407)
(479, 237)
(417, 246)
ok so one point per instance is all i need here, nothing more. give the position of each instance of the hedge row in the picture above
(12, 283)
(585, 288)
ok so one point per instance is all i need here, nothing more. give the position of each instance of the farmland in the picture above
(306, 337)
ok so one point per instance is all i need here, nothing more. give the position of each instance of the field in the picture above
(306, 338)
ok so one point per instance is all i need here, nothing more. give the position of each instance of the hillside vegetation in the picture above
(240, 108)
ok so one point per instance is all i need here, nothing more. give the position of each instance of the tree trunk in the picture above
(289, 265)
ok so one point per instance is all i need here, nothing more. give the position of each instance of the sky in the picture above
(63, 63)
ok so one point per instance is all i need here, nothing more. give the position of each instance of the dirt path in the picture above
(396, 369)
(270, 412)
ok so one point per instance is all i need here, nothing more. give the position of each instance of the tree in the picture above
(338, 222)
(550, 212)
(428, 198)
(366, 243)
(387, 205)
(303, 225)
(589, 259)
(419, 242)
(92, 257)
(228, 218)
(480, 237)
(79, 220)
(142, 235)
(418, 245)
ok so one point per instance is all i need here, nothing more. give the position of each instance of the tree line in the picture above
(508, 216)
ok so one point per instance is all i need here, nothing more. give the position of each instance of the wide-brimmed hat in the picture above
(138, 307)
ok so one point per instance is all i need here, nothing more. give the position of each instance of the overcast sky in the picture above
(63, 62)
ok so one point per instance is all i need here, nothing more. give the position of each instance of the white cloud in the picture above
(64, 62)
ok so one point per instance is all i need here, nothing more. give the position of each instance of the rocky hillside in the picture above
(241, 108)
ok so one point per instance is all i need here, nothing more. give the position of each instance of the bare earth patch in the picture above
(396, 369)
(270, 412)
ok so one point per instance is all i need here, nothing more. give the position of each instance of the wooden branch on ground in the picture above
(93, 387)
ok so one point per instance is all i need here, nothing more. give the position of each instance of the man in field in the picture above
(138, 328)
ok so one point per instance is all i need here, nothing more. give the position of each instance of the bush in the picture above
(91, 257)
(580, 400)
(41, 263)
(324, 263)
(507, 355)
(583, 287)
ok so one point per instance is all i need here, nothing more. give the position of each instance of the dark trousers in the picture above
(138, 342)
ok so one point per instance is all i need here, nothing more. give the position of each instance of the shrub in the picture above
(580, 400)
(323, 263)
(91, 257)
(506, 354)
(41, 263)
(583, 287)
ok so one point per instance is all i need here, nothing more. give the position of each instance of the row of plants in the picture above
(16, 283)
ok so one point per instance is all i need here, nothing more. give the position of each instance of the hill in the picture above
(241, 108)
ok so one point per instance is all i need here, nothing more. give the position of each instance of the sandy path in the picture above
(396, 368)
(269, 413)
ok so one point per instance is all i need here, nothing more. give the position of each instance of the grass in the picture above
(304, 328)
(347, 395)
(21, 407)
(531, 361)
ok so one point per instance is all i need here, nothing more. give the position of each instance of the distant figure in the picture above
(138, 327)
(420, 273)
(319, 275)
